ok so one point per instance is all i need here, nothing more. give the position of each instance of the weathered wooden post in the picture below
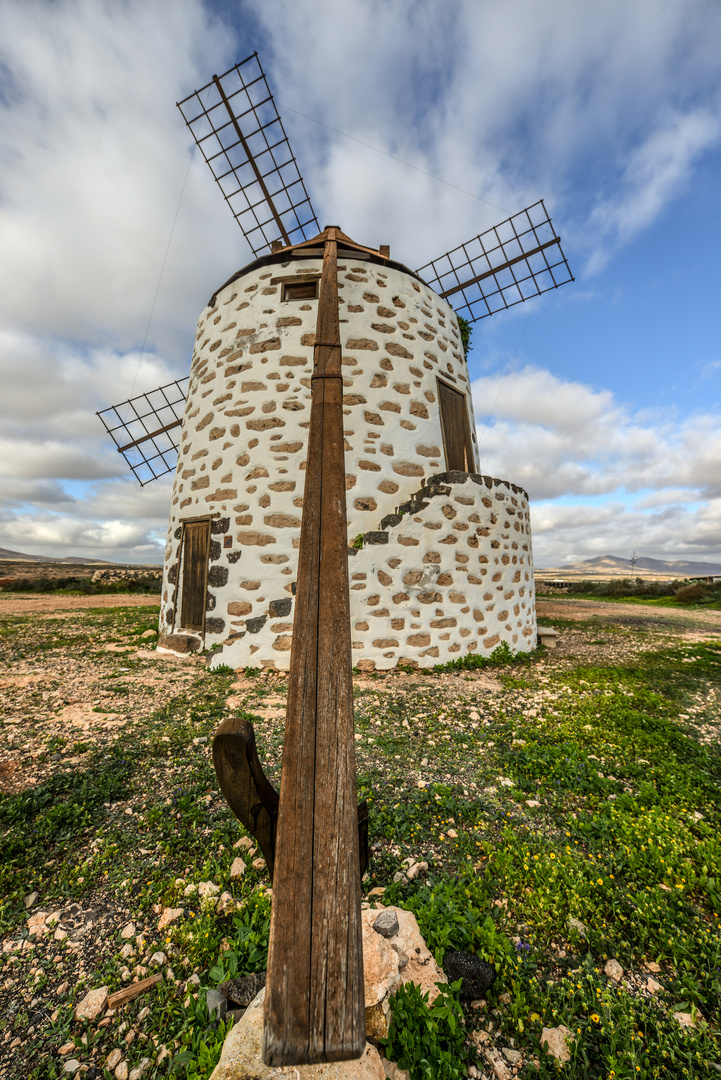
(314, 997)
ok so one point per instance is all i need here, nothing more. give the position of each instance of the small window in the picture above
(300, 290)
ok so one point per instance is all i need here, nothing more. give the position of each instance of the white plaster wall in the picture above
(455, 575)
(244, 438)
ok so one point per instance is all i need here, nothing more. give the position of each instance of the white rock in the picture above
(190, 890)
(226, 904)
(127, 931)
(499, 1068)
(114, 1058)
(241, 1055)
(392, 1071)
(70, 1067)
(121, 1073)
(158, 959)
(139, 1069)
(170, 914)
(237, 869)
(578, 926)
(557, 1039)
(383, 964)
(614, 970)
(127, 951)
(652, 986)
(92, 1004)
(208, 890)
(416, 869)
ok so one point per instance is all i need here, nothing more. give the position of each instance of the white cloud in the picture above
(558, 438)
(508, 101)
(566, 533)
(655, 173)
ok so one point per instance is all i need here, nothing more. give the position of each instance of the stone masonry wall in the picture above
(453, 574)
(244, 438)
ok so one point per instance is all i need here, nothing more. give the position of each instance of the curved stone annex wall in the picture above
(244, 439)
(451, 574)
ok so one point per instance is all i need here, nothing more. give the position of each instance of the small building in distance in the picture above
(440, 557)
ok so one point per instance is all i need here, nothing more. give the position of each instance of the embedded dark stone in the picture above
(391, 519)
(375, 538)
(279, 608)
(218, 575)
(179, 643)
(234, 556)
(210, 601)
(214, 550)
(219, 526)
(214, 626)
(477, 976)
(254, 625)
(243, 991)
(453, 476)
(178, 532)
(386, 924)
(173, 574)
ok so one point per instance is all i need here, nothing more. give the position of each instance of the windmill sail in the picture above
(234, 121)
(510, 263)
(145, 429)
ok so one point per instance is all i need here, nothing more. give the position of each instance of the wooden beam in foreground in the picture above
(314, 1005)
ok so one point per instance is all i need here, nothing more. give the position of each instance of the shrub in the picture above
(692, 594)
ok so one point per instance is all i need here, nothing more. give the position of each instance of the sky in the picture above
(414, 123)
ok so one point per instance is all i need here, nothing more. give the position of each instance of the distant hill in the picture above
(20, 556)
(611, 565)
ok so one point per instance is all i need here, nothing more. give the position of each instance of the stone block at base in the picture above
(241, 1058)
(387, 962)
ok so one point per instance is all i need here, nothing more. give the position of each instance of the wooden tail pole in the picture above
(314, 1006)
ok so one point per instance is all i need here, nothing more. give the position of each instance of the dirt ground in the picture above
(32, 603)
(689, 621)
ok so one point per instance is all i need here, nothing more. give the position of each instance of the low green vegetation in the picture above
(75, 585)
(567, 806)
(429, 1040)
(667, 593)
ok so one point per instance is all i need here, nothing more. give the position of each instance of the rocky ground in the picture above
(553, 816)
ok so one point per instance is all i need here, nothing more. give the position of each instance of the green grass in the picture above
(570, 787)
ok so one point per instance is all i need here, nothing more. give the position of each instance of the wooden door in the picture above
(195, 567)
(456, 429)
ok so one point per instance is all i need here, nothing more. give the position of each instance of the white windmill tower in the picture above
(445, 565)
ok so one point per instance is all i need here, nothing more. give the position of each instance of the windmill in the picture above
(316, 329)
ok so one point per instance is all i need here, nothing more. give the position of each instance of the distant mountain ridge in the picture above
(20, 556)
(612, 564)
